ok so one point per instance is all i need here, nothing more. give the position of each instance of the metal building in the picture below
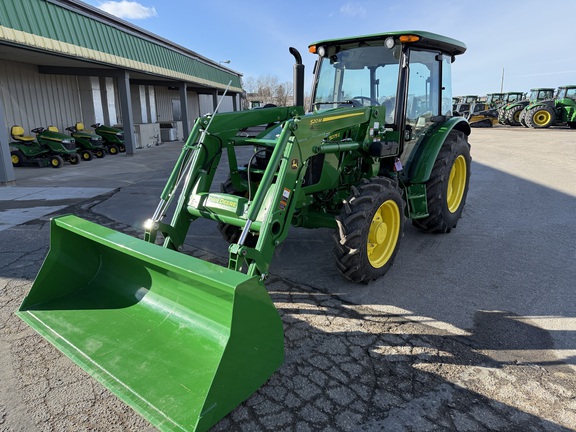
(63, 61)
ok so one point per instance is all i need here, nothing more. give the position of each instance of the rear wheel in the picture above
(572, 125)
(513, 115)
(17, 158)
(122, 148)
(370, 227)
(522, 118)
(541, 116)
(56, 161)
(447, 187)
(74, 159)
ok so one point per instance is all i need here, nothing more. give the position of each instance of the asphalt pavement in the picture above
(473, 330)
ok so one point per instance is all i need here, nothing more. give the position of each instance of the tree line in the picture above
(266, 90)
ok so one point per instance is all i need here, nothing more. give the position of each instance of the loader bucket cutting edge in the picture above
(181, 340)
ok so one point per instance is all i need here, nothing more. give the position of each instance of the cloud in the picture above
(128, 9)
(353, 10)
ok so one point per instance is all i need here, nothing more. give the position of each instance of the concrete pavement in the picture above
(474, 330)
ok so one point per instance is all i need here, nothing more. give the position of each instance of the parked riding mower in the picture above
(113, 137)
(184, 341)
(49, 148)
(89, 144)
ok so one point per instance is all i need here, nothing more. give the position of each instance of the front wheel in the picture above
(113, 149)
(86, 155)
(100, 153)
(447, 187)
(370, 227)
(56, 161)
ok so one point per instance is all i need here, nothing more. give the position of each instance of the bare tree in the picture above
(266, 89)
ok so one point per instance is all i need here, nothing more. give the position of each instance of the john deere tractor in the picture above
(512, 113)
(184, 341)
(561, 110)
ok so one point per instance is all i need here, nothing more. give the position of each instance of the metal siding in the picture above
(73, 28)
(33, 100)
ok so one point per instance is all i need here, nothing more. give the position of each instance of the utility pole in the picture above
(502, 82)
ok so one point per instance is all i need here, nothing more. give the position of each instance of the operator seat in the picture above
(17, 133)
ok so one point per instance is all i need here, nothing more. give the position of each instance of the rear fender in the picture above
(419, 166)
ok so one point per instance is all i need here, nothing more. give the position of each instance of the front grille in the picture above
(69, 146)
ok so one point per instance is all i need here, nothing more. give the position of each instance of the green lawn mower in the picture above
(89, 144)
(113, 137)
(48, 148)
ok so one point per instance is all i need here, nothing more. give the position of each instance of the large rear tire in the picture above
(447, 187)
(370, 227)
(540, 117)
(513, 115)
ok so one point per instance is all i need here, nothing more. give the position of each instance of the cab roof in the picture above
(427, 40)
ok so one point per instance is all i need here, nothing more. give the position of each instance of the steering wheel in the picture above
(362, 101)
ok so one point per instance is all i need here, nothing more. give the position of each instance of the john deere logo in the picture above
(294, 164)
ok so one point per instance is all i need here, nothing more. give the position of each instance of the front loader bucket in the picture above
(181, 340)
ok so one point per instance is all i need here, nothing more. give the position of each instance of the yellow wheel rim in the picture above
(517, 116)
(15, 159)
(383, 234)
(456, 184)
(55, 162)
(541, 118)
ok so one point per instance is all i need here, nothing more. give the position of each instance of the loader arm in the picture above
(270, 209)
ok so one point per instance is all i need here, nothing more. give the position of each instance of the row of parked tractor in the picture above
(540, 108)
(50, 147)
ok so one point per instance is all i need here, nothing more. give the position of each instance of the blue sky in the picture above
(528, 40)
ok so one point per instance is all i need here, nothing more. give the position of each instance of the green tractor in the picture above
(89, 144)
(113, 137)
(512, 113)
(556, 111)
(48, 148)
(184, 341)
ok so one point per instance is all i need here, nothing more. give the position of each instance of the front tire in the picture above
(447, 187)
(86, 155)
(232, 233)
(370, 227)
(56, 161)
(113, 149)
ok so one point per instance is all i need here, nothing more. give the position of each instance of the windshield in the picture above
(358, 76)
(571, 93)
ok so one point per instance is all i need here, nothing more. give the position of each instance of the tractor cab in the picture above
(408, 76)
